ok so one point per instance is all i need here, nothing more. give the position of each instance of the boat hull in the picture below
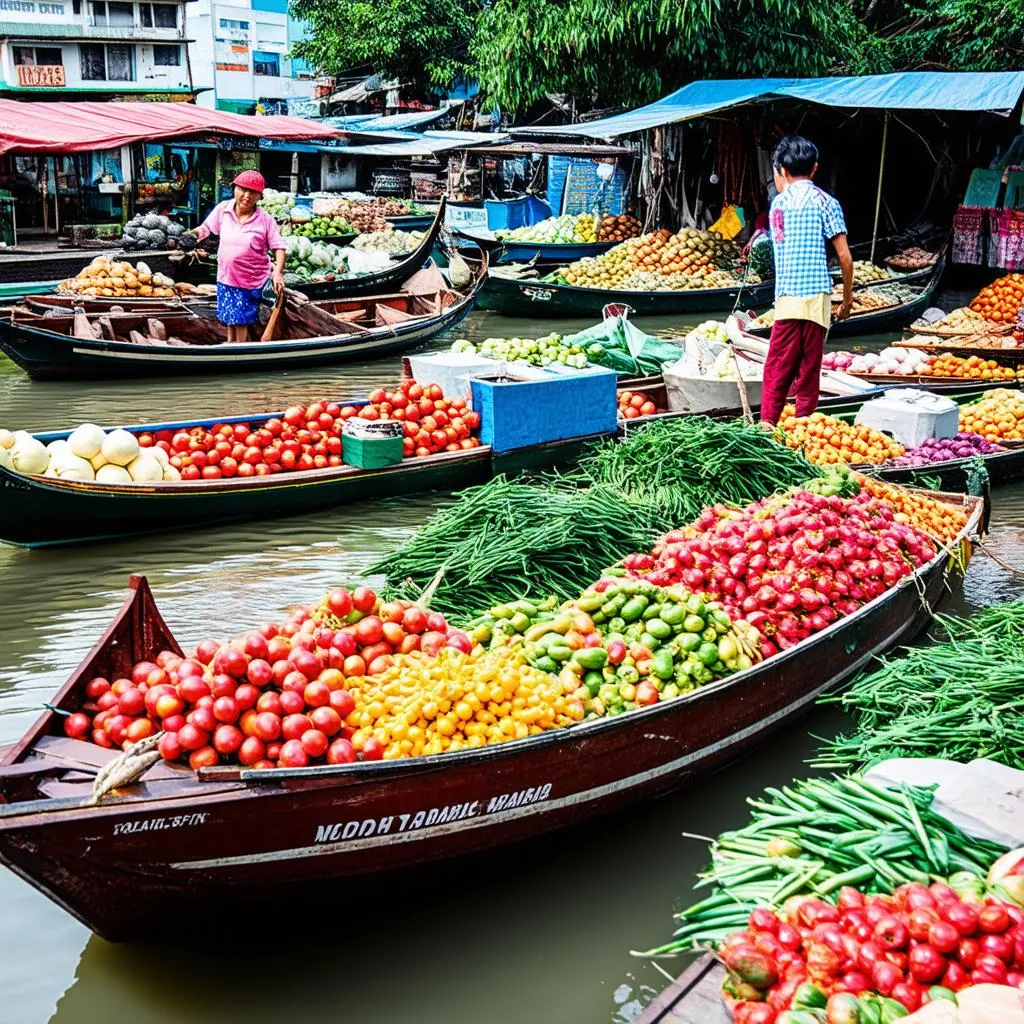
(280, 829)
(45, 355)
(512, 297)
(386, 280)
(556, 255)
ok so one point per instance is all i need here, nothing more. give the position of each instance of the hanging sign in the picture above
(41, 75)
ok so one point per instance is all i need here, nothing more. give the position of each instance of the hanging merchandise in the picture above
(1006, 242)
(969, 235)
(731, 223)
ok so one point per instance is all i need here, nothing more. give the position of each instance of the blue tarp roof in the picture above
(376, 122)
(907, 90)
(428, 143)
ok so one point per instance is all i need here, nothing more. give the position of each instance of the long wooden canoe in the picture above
(695, 997)
(180, 843)
(46, 350)
(38, 511)
(530, 298)
(882, 321)
(385, 280)
(505, 250)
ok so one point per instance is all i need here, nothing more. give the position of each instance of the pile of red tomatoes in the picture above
(273, 697)
(790, 565)
(432, 422)
(916, 945)
(308, 437)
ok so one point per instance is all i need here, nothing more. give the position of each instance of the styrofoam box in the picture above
(912, 416)
(452, 370)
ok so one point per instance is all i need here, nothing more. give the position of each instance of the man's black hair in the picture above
(795, 154)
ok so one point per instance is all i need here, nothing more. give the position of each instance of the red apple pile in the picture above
(433, 423)
(273, 697)
(309, 436)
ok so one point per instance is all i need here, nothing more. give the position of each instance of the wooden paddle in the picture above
(272, 321)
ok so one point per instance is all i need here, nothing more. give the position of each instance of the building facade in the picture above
(241, 56)
(94, 49)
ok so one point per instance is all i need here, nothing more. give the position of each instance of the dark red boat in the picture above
(179, 841)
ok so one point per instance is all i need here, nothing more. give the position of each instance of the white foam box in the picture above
(452, 370)
(911, 416)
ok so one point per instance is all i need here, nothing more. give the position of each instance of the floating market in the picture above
(400, 602)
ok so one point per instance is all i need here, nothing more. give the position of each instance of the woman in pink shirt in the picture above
(247, 235)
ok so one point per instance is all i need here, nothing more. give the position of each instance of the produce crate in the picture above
(517, 413)
(371, 452)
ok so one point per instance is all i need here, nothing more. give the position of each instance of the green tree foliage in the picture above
(419, 41)
(628, 52)
(606, 52)
(956, 35)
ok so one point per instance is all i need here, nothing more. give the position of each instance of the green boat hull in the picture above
(526, 298)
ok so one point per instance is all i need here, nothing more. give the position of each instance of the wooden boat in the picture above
(385, 280)
(179, 843)
(881, 321)
(316, 333)
(1013, 357)
(38, 511)
(527, 297)
(54, 305)
(695, 997)
(29, 268)
(503, 250)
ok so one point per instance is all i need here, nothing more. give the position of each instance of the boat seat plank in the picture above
(81, 755)
(695, 997)
(182, 784)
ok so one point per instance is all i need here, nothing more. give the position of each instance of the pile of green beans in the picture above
(817, 835)
(683, 465)
(959, 700)
(507, 540)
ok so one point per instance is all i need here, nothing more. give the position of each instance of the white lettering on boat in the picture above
(394, 824)
(161, 824)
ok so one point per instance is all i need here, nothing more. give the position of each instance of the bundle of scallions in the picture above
(959, 700)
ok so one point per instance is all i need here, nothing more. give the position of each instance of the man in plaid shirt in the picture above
(803, 220)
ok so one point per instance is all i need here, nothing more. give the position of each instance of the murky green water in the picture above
(540, 932)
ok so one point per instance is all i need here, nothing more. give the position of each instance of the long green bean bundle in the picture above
(817, 835)
(682, 465)
(959, 700)
(505, 540)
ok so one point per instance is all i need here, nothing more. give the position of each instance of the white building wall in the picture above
(146, 74)
(231, 34)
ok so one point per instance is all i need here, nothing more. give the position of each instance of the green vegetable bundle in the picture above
(683, 465)
(958, 700)
(505, 540)
(817, 835)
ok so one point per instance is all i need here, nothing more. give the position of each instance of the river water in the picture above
(541, 930)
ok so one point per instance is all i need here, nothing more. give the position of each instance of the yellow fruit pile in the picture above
(691, 255)
(999, 416)
(456, 701)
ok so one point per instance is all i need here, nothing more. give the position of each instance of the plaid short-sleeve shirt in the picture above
(802, 219)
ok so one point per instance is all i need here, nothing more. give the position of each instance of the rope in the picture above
(995, 558)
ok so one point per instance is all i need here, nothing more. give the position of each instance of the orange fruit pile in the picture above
(973, 368)
(827, 440)
(1000, 301)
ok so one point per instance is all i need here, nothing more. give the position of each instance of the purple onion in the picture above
(964, 446)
